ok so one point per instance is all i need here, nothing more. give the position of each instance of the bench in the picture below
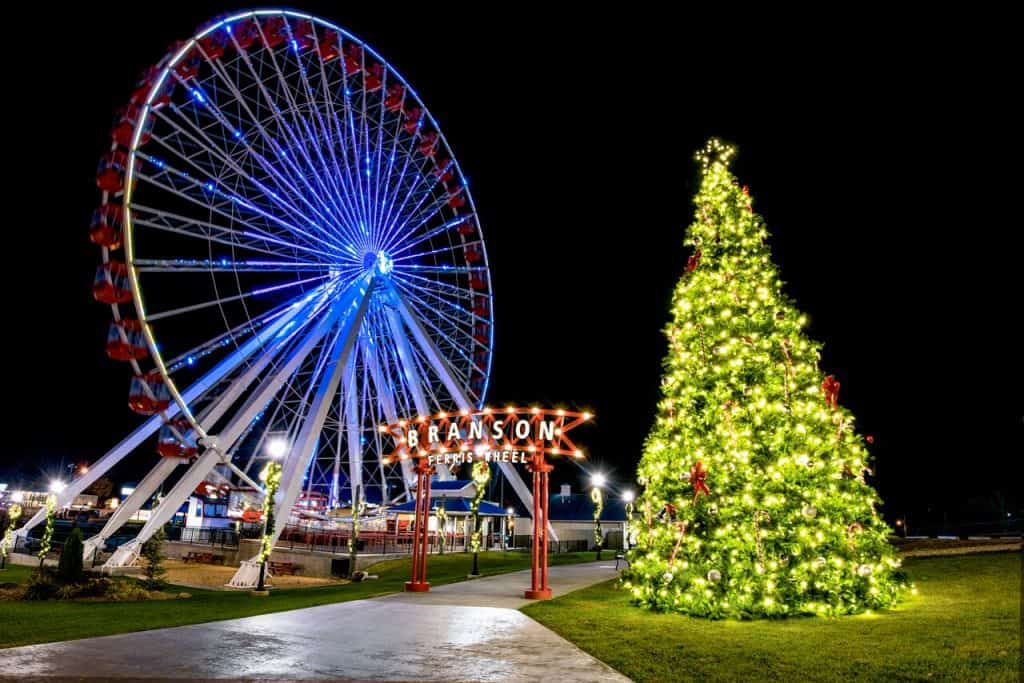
(282, 568)
(203, 557)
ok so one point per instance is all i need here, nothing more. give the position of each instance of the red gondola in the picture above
(188, 66)
(106, 226)
(110, 174)
(213, 44)
(477, 282)
(476, 384)
(273, 31)
(473, 253)
(111, 283)
(125, 129)
(443, 170)
(148, 395)
(353, 59)
(481, 306)
(480, 333)
(245, 33)
(412, 120)
(125, 340)
(374, 77)
(330, 45)
(466, 227)
(171, 445)
(428, 143)
(456, 198)
(302, 33)
(393, 102)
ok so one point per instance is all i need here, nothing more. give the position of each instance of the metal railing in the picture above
(220, 538)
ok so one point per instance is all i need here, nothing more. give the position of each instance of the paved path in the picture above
(468, 631)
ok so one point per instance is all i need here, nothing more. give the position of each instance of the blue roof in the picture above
(458, 505)
(453, 485)
(580, 508)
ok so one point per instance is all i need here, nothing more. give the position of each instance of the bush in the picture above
(153, 552)
(41, 587)
(69, 569)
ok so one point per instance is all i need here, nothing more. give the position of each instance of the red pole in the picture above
(419, 539)
(424, 545)
(539, 589)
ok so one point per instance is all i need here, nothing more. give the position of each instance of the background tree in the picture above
(755, 502)
(153, 553)
(69, 568)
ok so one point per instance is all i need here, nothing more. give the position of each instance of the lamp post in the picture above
(628, 497)
(597, 496)
(276, 448)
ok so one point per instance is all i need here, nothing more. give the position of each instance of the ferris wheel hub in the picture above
(379, 260)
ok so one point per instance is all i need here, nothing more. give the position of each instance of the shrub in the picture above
(153, 552)
(41, 587)
(69, 569)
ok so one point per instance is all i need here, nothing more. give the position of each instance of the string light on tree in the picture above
(755, 500)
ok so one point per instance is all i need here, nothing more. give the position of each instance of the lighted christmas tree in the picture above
(754, 500)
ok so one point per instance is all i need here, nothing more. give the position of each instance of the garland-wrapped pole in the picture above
(481, 475)
(271, 476)
(44, 543)
(442, 521)
(13, 515)
(598, 498)
(353, 542)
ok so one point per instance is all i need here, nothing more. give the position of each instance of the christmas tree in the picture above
(754, 502)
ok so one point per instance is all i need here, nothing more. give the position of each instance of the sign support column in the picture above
(421, 537)
(539, 589)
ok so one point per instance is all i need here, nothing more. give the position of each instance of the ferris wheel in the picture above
(291, 253)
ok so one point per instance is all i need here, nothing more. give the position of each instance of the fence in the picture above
(296, 537)
(221, 538)
(574, 546)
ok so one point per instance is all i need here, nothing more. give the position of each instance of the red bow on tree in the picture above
(698, 473)
(693, 262)
(830, 386)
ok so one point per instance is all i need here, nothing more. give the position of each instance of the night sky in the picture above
(878, 149)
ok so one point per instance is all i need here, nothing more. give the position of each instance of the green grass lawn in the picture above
(24, 623)
(964, 625)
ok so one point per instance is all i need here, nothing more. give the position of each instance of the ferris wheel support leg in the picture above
(153, 424)
(412, 377)
(388, 404)
(131, 505)
(440, 366)
(303, 450)
(352, 426)
(216, 446)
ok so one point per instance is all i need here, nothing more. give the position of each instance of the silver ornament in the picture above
(864, 570)
(819, 562)
(667, 577)
(714, 576)
(685, 476)
(810, 512)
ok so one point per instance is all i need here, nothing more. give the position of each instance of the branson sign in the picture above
(512, 435)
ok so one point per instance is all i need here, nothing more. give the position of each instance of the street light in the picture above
(598, 480)
(628, 496)
(276, 447)
(56, 486)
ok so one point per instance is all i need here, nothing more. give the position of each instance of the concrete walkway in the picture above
(467, 631)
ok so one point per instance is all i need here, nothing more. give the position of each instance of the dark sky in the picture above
(881, 150)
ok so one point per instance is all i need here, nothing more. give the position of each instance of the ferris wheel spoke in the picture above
(286, 129)
(324, 194)
(179, 184)
(151, 317)
(203, 194)
(399, 220)
(430, 234)
(214, 149)
(225, 265)
(421, 216)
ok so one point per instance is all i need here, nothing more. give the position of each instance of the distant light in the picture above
(598, 480)
(276, 447)
(127, 490)
(113, 503)
(17, 497)
(83, 469)
(510, 511)
(56, 486)
(628, 496)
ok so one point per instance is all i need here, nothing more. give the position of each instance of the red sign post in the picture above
(514, 436)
